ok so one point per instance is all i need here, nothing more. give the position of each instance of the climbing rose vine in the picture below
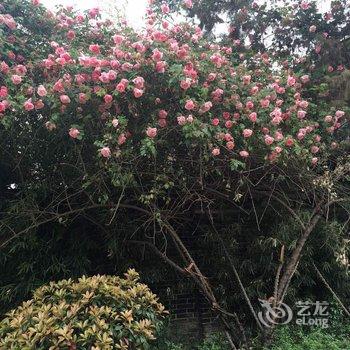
(132, 92)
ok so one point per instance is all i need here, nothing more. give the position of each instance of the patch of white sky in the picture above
(134, 10)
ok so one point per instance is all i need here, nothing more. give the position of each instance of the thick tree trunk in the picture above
(294, 259)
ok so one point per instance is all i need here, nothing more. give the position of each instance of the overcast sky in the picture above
(134, 9)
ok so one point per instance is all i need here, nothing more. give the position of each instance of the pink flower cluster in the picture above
(169, 76)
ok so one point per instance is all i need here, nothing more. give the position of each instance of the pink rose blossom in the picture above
(160, 66)
(318, 48)
(121, 139)
(301, 114)
(139, 82)
(244, 154)
(279, 103)
(82, 98)
(105, 152)
(328, 119)
(304, 5)
(70, 35)
(253, 117)
(212, 76)
(118, 39)
(138, 92)
(21, 70)
(289, 142)
(58, 86)
(249, 105)
(108, 98)
(162, 114)
(3, 91)
(28, 105)
(228, 137)
(269, 140)
(247, 133)
(339, 114)
(206, 107)
(115, 122)
(305, 79)
(291, 81)
(151, 132)
(162, 123)
(165, 8)
(215, 122)
(276, 120)
(120, 87)
(94, 12)
(95, 48)
(226, 115)
(278, 136)
(2, 107)
(112, 75)
(65, 99)
(185, 84)
(300, 136)
(157, 55)
(41, 91)
(278, 149)
(303, 104)
(312, 29)
(215, 151)
(188, 3)
(39, 104)
(264, 103)
(4, 68)
(16, 79)
(230, 145)
(190, 118)
(246, 79)
(314, 149)
(189, 105)
(229, 124)
(181, 120)
(74, 133)
(254, 90)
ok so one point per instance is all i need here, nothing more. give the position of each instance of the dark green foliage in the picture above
(38, 258)
(290, 337)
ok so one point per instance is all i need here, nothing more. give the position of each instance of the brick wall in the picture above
(191, 316)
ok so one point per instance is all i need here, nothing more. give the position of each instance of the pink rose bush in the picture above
(167, 76)
(152, 126)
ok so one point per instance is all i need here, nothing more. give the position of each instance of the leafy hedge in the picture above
(99, 312)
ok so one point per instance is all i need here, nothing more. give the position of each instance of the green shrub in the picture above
(100, 312)
(213, 342)
(289, 338)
